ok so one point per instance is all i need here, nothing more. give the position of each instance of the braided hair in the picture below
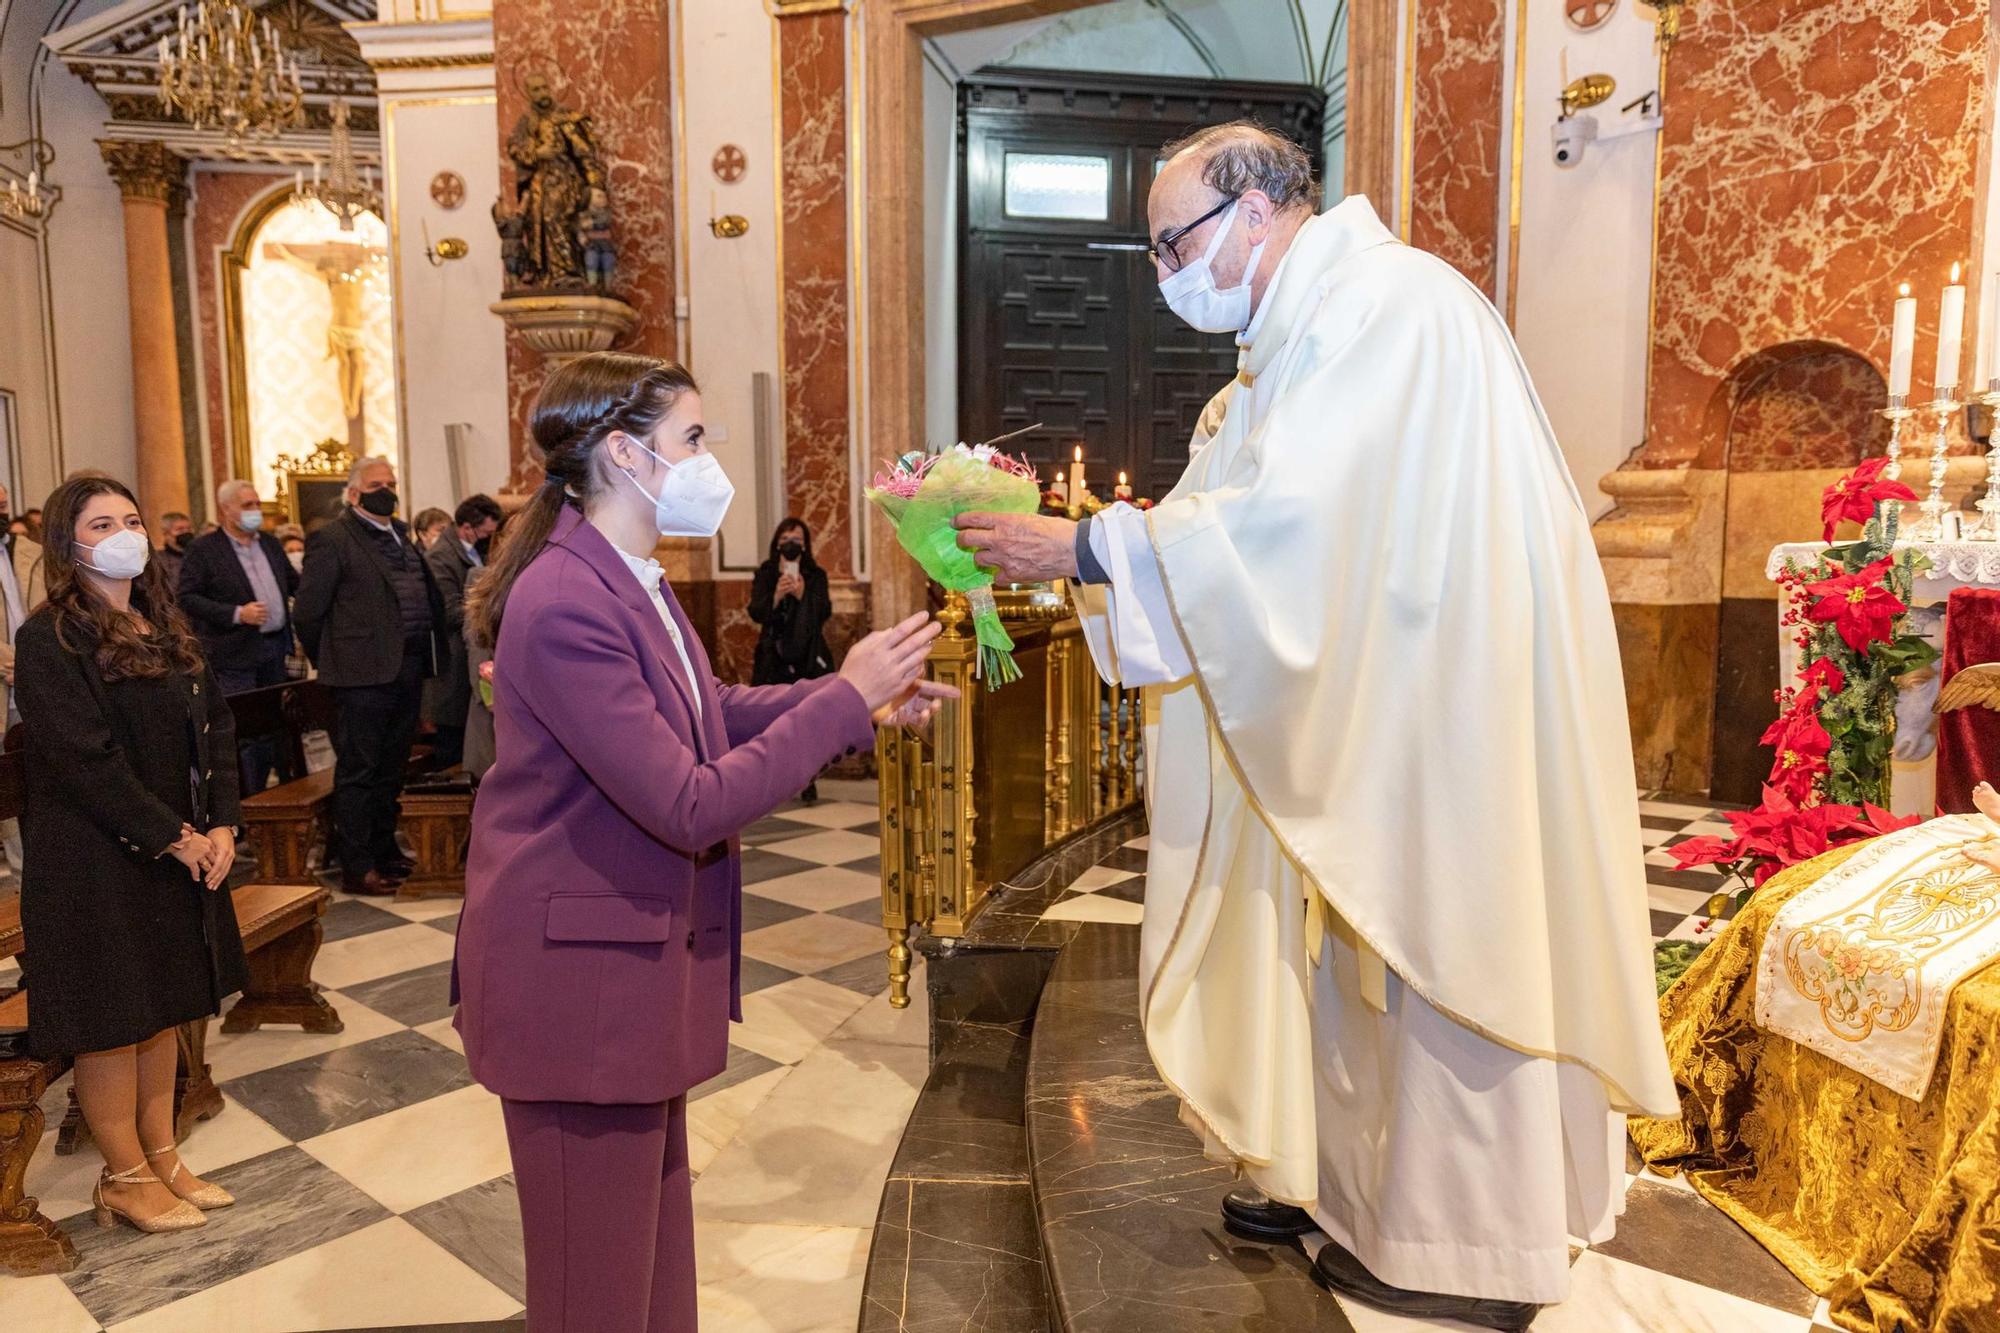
(579, 407)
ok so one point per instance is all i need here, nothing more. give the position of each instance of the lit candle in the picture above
(1902, 343)
(1061, 487)
(1076, 486)
(1951, 331)
(1124, 491)
(34, 181)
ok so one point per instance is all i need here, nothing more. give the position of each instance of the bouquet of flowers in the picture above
(922, 495)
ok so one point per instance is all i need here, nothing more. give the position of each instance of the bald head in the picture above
(1267, 176)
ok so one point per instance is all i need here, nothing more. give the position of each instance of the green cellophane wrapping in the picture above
(960, 484)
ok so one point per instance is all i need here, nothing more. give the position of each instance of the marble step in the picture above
(1129, 1208)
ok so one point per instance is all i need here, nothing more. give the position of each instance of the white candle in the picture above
(1076, 487)
(1124, 491)
(1062, 486)
(1990, 343)
(1902, 343)
(1951, 332)
(34, 181)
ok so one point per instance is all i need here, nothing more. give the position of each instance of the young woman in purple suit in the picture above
(598, 953)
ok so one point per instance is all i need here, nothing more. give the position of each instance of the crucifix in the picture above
(343, 266)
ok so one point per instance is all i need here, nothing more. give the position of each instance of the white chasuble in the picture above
(1388, 726)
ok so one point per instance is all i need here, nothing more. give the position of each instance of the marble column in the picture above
(150, 177)
(813, 181)
(1454, 151)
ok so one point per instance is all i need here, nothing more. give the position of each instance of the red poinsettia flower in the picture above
(1874, 821)
(1823, 674)
(1855, 495)
(1706, 851)
(1802, 745)
(1859, 605)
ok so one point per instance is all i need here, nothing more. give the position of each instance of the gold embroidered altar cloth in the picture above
(1888, 1207)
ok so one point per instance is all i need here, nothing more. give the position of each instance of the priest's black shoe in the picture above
(1337, 1270)
(1247, 1213)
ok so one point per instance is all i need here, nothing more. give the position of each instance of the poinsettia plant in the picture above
(1848, 611)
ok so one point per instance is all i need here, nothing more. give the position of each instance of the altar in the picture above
(1953, 565)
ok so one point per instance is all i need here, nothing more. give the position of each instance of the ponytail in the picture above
(521, 539)
(581, 403)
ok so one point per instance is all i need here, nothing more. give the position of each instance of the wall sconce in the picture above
(451, 247)
(729, 226)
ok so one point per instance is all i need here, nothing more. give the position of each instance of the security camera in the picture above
(1571, 135)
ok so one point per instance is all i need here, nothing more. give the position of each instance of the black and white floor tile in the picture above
(373, 1172)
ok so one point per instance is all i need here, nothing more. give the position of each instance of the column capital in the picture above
(785, 9)
(145, 170)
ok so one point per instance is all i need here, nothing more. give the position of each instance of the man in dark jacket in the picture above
(458, 551)
(370, 617)
(236, 585)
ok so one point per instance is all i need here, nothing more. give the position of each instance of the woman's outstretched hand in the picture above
(918, 705)
(886, 664)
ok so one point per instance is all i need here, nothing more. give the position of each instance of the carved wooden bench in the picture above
(288, 825)
(281, 931)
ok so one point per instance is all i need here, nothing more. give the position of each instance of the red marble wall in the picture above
(1455, 135)
(1813, 156)
(1816, 410)
(215, 209)
(813, 174)
(608, 59)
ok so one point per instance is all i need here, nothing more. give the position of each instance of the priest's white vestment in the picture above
(1386, 726)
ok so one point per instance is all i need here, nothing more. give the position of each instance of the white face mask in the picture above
(693, 498)
(1191, 293)
(250, 520)
(122, 555)
(298, 559)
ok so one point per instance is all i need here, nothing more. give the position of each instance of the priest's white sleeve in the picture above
(1128, 623)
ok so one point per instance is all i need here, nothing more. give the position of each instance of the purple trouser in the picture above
(606, 1215)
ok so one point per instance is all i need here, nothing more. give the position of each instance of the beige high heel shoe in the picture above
(183, 1216)
(206, 1198)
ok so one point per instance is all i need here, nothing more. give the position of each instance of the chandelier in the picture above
(344, 192)
(36, 200)
(224, 70)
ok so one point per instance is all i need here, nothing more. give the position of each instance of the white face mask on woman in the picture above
(122, 555)
(692, 499)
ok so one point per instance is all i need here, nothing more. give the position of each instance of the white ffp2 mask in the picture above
(692, 499)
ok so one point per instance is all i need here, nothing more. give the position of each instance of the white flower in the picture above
(983, 453)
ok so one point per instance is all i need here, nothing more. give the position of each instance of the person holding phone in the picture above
(599, 949)
(790, 600)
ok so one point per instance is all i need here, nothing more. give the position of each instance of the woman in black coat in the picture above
(789, 598)
(131, 806)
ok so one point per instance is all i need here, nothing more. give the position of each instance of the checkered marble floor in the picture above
(373, 1173)
(1677, 1264)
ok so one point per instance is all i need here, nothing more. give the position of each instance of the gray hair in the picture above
(227, 494)
(361, 465)
(1243, 156)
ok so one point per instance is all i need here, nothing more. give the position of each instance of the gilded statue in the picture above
(557, 168)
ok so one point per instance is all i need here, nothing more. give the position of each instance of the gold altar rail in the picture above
(1001, 775)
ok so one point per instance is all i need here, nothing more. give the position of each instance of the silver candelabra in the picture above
(1898, 411)
(1943, 407)
(1989, 504)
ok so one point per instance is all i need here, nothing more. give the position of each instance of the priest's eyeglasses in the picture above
(1169, 244)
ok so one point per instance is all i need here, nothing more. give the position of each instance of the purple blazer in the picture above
(600, 946)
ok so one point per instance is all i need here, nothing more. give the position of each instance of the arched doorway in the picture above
(1791, 419)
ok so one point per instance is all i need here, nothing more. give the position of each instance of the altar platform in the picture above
(1044, 1180)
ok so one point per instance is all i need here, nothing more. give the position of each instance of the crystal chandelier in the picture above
(344, 192)
(224, 70)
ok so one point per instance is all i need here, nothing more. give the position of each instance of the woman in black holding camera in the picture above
(789, 598)
(131, 807)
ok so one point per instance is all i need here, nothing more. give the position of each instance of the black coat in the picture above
(792, 645)
(346, 610)
(448, 695)
(120, 942)
(213, 585)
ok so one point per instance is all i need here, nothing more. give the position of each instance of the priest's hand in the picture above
(1020, 548)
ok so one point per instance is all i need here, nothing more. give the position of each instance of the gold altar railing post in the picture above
(959, 804)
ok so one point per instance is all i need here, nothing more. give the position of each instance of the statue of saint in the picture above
(556, 167)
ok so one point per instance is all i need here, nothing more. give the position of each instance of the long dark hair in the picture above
(580, 404)
(805, 536)
(86, 623)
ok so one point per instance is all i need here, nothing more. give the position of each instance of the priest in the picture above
(1395, 958)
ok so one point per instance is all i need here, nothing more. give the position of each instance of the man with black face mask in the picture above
(369, 615)
(176, 534)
